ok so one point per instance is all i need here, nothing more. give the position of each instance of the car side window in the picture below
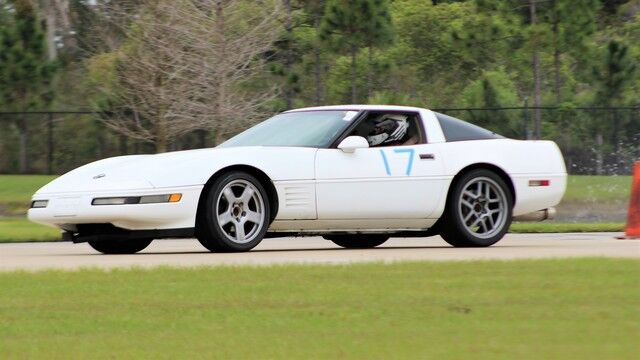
(389, 129)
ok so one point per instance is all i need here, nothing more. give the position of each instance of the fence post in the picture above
(616, 142)
(50, 143)
(526, 118)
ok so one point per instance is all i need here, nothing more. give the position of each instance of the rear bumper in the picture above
(67, 210)
(533, 198)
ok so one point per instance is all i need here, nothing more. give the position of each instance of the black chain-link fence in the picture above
(603, 141)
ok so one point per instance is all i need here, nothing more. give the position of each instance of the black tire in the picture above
(459, 233)
(120, 246)
(361, 241)
(219, 237)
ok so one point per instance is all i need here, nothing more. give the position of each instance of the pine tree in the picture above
(379, 34)
(572, 21)
(611, 77)
(553, 26)
(25, 72)
(350, 25)
(290, 75)
(614, 73)
(315, 12)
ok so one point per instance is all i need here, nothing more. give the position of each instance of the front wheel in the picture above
(358, 241)
(120, 246)
(236, 214)
(478, 211)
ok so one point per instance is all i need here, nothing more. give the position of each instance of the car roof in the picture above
(360, 108)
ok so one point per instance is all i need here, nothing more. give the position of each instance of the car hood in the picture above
(132, 172)
(183, 168)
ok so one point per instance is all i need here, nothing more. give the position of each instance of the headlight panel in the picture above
(116, 200)
(130, 200)
(39, 204)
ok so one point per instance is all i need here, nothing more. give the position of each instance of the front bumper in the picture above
(108, 232)
(67, 210)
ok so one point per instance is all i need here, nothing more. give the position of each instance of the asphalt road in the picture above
(62, 255)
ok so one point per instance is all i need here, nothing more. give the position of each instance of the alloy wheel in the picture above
(240, 211)
(482, 207)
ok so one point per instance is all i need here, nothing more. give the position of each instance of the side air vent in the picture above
(297, 197)
(297, 201)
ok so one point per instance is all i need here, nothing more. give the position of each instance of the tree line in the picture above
(185, 73)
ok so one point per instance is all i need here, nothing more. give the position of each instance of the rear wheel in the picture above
(360, 241)
(120, 246)
(478, 211)
(236, 214)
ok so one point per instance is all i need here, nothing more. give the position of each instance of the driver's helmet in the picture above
(388, 128)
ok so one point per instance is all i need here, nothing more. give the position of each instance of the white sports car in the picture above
(354, 174)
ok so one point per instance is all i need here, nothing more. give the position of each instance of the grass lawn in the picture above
(534, 309)
(16, 191)
(581, 189)
(20, 229)
(552, 227)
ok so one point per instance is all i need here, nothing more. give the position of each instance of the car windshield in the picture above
(298, 129)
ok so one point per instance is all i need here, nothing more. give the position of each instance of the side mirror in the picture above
(351, 143)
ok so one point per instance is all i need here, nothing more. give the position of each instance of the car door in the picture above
(389, 182)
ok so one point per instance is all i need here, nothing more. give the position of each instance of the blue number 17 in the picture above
(409, 151)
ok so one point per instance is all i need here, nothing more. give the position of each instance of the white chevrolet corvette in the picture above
(354, 174)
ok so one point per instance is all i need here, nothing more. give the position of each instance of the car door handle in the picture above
(427, 157)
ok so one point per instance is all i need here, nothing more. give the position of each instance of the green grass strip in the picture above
(597, 189)
(16, 192)
(21, 230)
(550, 227)
(19, 188)
(534, 309)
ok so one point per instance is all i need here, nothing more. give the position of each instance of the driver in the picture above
(388, 128)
